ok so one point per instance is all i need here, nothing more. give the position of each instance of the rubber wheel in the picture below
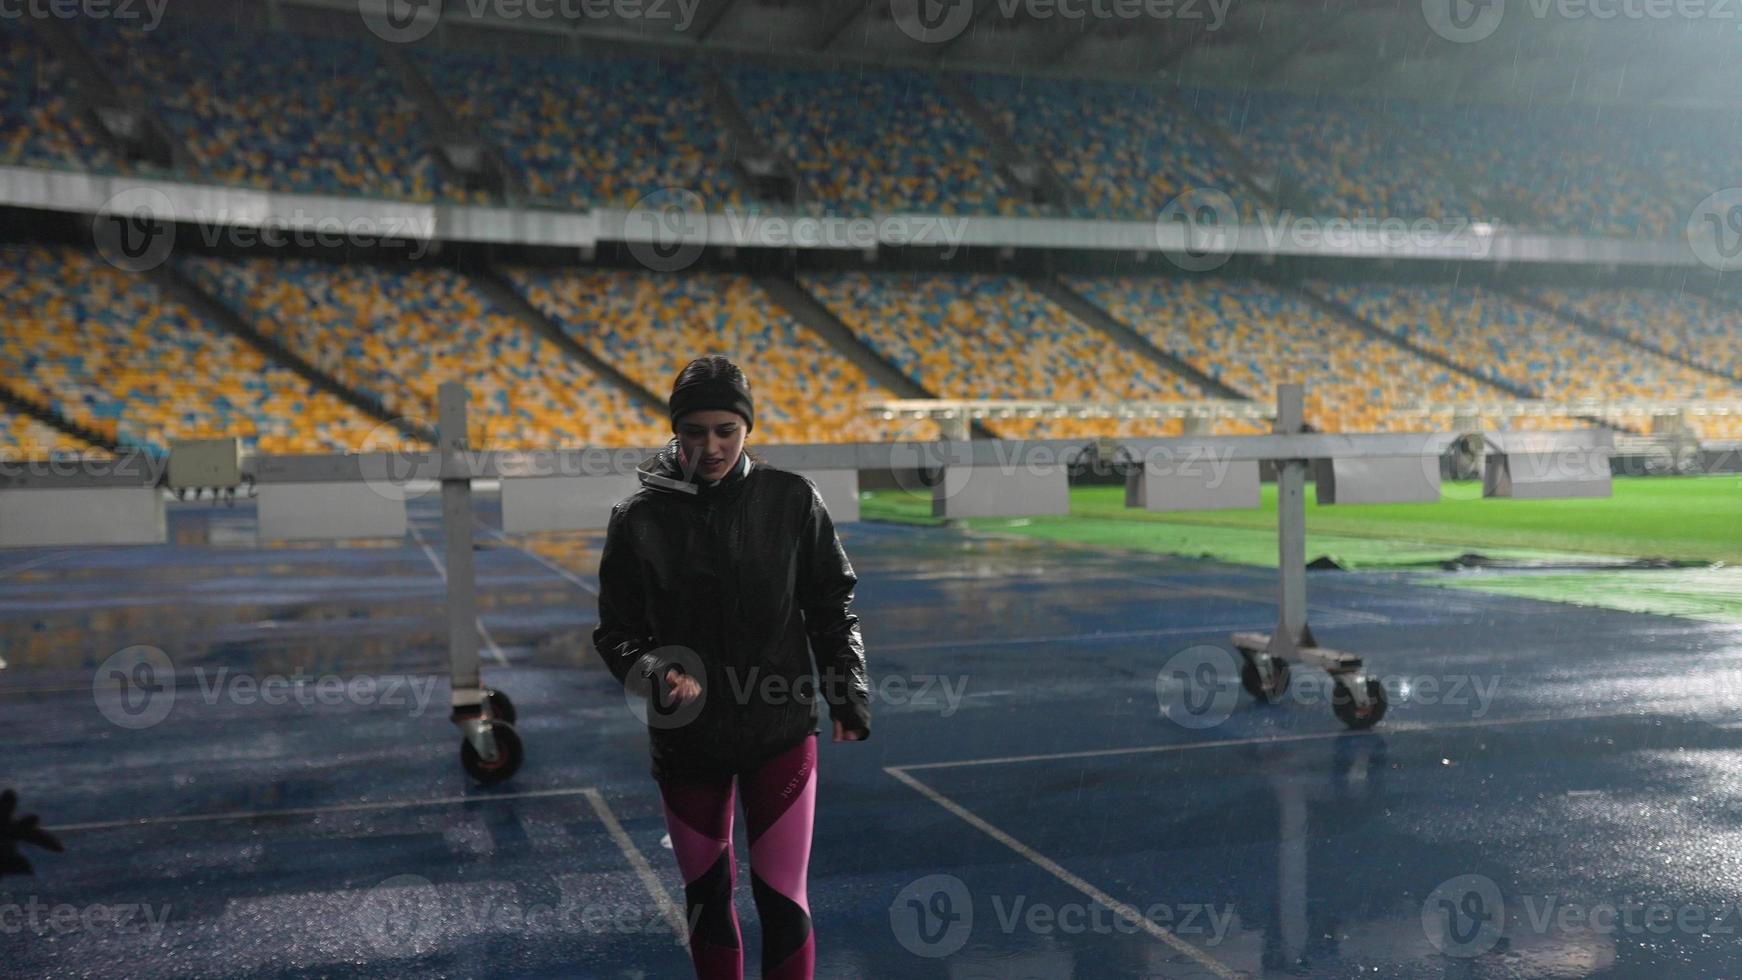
(1343, 704)
(1249, 679)
(497, 706)
(509, 755)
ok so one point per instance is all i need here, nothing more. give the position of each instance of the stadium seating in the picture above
(1252, 336)
(1509, 341)
(1703, 330)
(994, 337)
(1125, 150)
(868, 140)
(39, 126)
(1554, 167)
(280, 111)
(596, 131)
(109, 350)
(649, 326)
(396, 334)
(1343, 158)
(24, 438)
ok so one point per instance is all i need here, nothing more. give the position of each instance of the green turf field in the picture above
(1696, 520)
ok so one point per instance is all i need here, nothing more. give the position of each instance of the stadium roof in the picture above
(1650, 52)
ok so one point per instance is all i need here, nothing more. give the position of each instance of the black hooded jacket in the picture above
(728, 582)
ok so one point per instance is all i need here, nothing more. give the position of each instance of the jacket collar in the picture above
(664, 473)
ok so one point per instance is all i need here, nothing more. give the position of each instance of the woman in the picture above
(715, 574)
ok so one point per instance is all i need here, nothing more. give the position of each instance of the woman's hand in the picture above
(680, 688)
(842, 735)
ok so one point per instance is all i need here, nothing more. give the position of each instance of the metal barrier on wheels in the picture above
(1358, 700)
(490, 749)
(363, 495)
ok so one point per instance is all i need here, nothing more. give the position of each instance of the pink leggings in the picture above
(779, 804)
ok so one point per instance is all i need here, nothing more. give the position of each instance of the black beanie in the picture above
(717, 392)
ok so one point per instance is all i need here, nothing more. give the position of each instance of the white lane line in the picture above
(34, 562)
(442, 570)
(1053, 868)
(1389, 729)
(579, 582)
(673, 915)
(308, 811)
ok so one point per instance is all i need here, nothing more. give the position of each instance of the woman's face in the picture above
(710, 441)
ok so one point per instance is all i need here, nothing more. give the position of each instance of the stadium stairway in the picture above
(190, 294)
(1083, 309)
(745, 144)
(94, 91)
(809, 311)
(1608, 332)
(1273, 196)
(1385, 336)
(499, 290)
(20, 402)
(1053, 189)
(493, 173)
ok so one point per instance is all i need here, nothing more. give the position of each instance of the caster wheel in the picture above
(1249, 679)
(509, 755)
(498, 707)
(1358, 718)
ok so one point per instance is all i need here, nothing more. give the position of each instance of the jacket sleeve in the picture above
(621, 638)
(825, 595)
